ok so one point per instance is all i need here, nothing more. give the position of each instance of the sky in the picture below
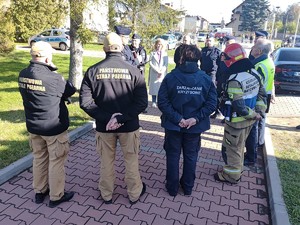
(215, 10)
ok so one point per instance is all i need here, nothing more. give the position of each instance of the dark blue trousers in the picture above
(251, 144)
(190, 145)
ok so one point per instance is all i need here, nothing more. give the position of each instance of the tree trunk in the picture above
(76, 49)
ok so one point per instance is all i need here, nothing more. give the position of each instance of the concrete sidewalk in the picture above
(210, 203)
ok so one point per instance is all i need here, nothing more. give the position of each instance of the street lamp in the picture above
(273, 23)
(294, 41)
(296, 31)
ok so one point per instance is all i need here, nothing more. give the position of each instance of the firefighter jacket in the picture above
(247, 95)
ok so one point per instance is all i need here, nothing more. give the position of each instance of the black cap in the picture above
(229, 37)
(136, 36)
(261, 33)
(121, 30)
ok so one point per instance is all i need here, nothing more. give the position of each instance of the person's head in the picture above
(186, 39)
(262, 47)
(136, 40)
(229, 40)
(210, 42)
(123, 32)
(112, 43)
(233, 53)
(42, 52)
(189, 53)
(159, 44)
(260, 34)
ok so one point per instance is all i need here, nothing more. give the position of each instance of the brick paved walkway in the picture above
(210, 203)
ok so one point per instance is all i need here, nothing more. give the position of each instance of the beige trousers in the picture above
(49, 156)
(106, 147)
(234, 141)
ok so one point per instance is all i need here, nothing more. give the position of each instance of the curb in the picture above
(278, 209)
(26, 162)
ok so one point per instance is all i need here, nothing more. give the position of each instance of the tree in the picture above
(254, 14)
(79, 35)
(30, 17)
(146, 17)
(7, 30)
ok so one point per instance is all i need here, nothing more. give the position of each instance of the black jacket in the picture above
(44, 92)
(209, 59)
(113, 86)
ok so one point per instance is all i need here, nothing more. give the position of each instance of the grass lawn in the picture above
(286, 142)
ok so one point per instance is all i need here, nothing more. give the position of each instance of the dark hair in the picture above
(189, 53)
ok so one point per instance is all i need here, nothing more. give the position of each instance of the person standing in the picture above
(260, 34)
(265, 66)
(139, 52)
(114, 93)
(209, 58)
(245, 105)
(127, 55)
(43, 92)
(186, 98)
(158, 69)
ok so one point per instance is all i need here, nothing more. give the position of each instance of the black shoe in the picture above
(218, 177)
(247, 162)
(66, 197)
(40, 197)
(171, 193)
(108, 202)
(187, 193)
(143, 192)
(298, 127)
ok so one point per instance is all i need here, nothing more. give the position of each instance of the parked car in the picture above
(202, 37)
(58, 38)
(287, 69)
(170, 40)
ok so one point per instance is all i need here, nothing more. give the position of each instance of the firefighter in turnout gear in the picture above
(246, 103)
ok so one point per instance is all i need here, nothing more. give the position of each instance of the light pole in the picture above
(296, 31)
(294, 41)
(273, 23)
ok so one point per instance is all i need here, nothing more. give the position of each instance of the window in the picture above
(46, 33)
(57, 33)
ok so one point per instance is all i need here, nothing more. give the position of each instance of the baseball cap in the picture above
(41, 49)
(113, 42)
(121, 30)
(261, 33)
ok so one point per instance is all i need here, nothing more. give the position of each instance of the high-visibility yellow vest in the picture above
(268, 69)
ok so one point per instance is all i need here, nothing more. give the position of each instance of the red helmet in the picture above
(233, 53)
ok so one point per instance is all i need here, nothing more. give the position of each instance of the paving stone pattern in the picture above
(210, 203)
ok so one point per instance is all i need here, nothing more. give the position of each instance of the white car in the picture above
(57, 38)
(202, 37)
(171, 41)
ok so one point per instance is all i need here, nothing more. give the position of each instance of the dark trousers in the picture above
(252, 143)
(190, 145)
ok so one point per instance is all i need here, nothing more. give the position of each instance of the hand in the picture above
(190, 122)
(273, 99)
(258, 117)
(113, 123)
(182, 123)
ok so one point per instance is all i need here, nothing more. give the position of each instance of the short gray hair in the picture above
(265, 45)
